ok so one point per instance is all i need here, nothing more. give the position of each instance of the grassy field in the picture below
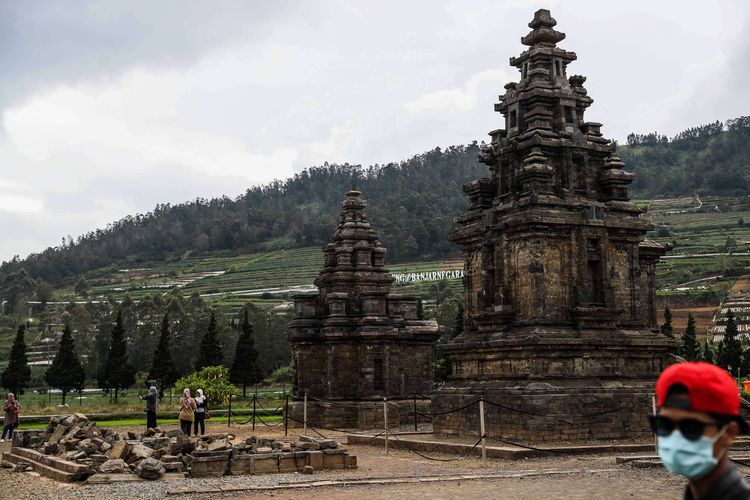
(136, 422)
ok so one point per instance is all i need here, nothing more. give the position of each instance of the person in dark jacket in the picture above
(200, 412)
(696, 424)
(152, 404)
(11, 409)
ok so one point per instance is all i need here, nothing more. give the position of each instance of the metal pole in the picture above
(254, 396)
(286, 414)
(304, 416)
(415, 412)
(385, 422)
(653, 411)
(229, 412)
(49, 396)
(481, 429)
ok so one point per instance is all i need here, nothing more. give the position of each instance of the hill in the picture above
(411, 203)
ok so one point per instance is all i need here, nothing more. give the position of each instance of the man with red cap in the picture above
(697, 422)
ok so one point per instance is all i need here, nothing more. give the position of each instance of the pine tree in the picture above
(707, 351)
(245, 369)
(119, 372)
(730, 349)
(689, 341)
(66, 372)
(210, 354)
(666, 328)
(458, 329)
(162, 367)
(17, 375)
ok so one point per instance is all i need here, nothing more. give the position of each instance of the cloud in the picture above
(457, 99)
(20, 204)
(136, 122)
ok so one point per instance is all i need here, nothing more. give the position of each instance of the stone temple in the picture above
(560, 320)
(354, 342)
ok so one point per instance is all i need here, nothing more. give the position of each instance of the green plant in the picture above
(214, 380)
(281, 375)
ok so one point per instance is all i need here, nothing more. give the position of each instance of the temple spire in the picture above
(542, 30)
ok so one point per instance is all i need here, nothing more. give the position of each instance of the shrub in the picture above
(282, 375)
(214, 380)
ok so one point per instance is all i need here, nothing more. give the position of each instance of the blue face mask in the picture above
(691, 459)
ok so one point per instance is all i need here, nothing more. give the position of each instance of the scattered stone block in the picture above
(140, 451)
(209, 466)
(114, 466)
(307, 470)
(120, 449)
(150, 469)
(315, 459)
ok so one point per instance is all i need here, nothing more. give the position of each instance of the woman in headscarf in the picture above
(201, 403)
(152, 404)
(11, 409)
(187, 411)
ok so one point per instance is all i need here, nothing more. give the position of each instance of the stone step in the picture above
(73, 468)
(131, 478)
(44, 470)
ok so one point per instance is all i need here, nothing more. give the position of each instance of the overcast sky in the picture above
(108, 108)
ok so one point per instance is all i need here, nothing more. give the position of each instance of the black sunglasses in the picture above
(691, 428)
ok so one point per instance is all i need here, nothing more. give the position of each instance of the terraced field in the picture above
(695, 227)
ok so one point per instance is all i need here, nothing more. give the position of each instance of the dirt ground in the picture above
(592, 476)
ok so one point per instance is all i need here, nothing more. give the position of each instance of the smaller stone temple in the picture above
(354, 342)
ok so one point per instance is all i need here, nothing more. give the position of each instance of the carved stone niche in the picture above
(373, 304)
(344, 256)
(330, 255)
(305, 306)
(402, 305)
(362, 254)
(336, 304)
(378, 255)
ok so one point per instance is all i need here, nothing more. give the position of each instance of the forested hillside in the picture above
(711, 159)
(412, 204)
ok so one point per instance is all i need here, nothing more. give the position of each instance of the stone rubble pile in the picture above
(73, 438)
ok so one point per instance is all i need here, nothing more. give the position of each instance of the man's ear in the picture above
(733, 429)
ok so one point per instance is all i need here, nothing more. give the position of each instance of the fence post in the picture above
(304, 416)
(254, 411)
(481, 429)
(653, 412)
(385, 422)
(415, 412)
(286, 414)
(229, 411)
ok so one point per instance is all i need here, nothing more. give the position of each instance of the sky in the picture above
(110, 108)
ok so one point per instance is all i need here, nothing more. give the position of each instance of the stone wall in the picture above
(549, 414)
(357, 369)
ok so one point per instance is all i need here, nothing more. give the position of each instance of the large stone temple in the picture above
(354, 342)
(560, 320)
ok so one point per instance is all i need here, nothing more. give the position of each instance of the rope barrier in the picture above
(332, 429)
(524, 412)
(512, 443)
(416, 452)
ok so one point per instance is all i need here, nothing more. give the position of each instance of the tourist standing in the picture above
(11, 409)
(152, 404)
(187, 411)
(201, 409)
(697, 422)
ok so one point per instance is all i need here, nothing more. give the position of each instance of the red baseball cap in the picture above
(710, 389)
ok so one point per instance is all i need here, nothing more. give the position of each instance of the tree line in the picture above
(117, 363)
(732, 353)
